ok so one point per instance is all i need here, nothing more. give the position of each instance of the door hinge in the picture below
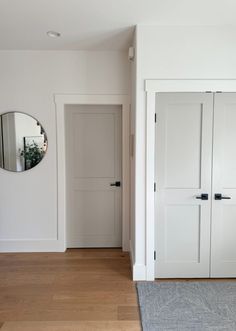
(155, 255)
(155, 187)
(155, 118)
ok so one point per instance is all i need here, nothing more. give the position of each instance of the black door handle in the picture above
(203, 196)
(218, 196)
(117, 184)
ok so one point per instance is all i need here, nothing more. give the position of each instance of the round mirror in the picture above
(23, 142)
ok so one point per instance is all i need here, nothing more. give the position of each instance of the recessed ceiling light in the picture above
(53, 34)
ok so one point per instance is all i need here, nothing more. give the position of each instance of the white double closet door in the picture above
(195, 200)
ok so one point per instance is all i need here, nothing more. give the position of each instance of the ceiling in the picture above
(99, 24)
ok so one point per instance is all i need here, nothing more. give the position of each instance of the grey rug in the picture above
(182, 306)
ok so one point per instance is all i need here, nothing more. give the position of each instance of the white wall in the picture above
(28, 81)
(165, 53)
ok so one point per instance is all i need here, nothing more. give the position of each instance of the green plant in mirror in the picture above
(32, 154)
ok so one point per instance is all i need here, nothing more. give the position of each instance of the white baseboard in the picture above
(138, 270)
(18, 246)
(126, 246)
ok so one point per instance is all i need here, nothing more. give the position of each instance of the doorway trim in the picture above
(152, 87)
(61, 100)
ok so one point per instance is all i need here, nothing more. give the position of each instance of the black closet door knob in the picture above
(218, 196)
(203, 196)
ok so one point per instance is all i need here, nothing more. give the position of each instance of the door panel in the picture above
(183, 168)
(94, 162)
(94, 145)
(183, 172)
(184, 247)
(103, 206)
(223, 242)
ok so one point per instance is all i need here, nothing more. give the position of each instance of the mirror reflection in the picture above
(23, 142)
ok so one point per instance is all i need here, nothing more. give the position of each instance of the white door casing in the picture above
(183, 172)
(61, 101)
(223, 241)
(93, 135)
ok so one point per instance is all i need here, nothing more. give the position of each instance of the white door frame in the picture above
(61, 100)
(153, 86)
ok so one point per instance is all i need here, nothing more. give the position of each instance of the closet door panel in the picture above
(223, 240)
(183, 173)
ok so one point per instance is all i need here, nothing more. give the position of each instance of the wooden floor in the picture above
(86, 289)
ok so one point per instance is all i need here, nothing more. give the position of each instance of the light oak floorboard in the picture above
(71, 326)
(82, 289)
